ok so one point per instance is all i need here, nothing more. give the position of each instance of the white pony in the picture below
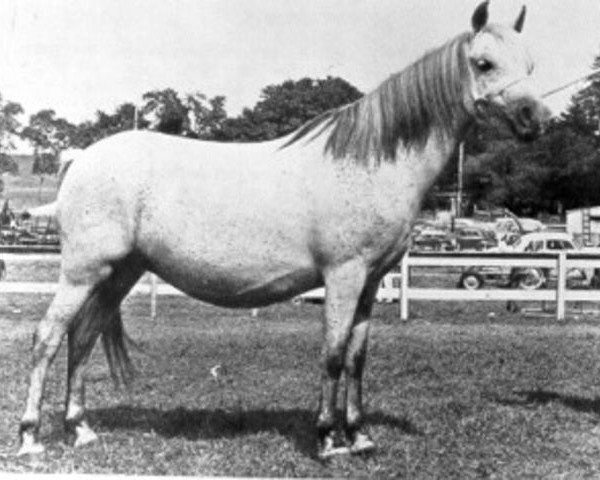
(245, 225)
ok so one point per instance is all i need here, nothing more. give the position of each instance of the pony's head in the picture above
(484, 73)
(501, 70)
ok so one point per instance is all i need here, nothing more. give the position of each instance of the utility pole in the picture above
(135, 117)
(459, 193)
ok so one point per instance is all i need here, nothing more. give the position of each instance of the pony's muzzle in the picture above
(529, 118)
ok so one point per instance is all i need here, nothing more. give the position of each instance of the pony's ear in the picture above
(480, 16)
(520, 19)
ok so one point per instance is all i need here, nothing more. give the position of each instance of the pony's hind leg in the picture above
(75, 423)
(101, 315)
(47, 338)
(344, 285)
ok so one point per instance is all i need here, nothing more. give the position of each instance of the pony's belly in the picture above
(241, 287)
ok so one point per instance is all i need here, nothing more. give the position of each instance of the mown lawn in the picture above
(454, 393)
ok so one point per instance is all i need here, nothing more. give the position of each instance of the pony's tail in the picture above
(62, 172)
(113, 341)
(92, 321)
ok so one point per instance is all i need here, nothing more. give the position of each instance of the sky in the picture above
(80, 56)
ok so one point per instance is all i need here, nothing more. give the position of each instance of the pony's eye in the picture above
(483, 65)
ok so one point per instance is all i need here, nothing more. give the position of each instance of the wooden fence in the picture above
(561, 262)
(559, 294)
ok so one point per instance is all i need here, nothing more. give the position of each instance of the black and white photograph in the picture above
(300, 239)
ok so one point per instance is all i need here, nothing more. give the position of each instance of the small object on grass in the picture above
(214, 372)
(362, 444)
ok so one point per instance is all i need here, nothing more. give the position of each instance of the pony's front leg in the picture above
(344, 285)
(356, 354)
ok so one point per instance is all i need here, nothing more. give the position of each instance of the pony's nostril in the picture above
(526, 115)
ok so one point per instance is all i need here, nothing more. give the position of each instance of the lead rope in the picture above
(571, 83)
(549, 93)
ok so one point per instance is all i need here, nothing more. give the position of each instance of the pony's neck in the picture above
(415, 170)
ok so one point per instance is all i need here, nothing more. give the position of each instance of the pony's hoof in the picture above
(84, 435)
(362, 444)
(328, 448)
(30, 446)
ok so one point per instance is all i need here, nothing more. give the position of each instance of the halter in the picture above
(510, 84)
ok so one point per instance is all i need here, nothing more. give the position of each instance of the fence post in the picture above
(404, 288)
(561, 286)
(153, 292)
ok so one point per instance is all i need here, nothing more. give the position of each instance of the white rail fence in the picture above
(559, 294)
(562, 262)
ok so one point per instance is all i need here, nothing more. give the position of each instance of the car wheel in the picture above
(595, 281)
(471, 281)
(531, 279)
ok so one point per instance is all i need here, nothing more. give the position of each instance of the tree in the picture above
(583, 113)
(9, 124)
(205, 116)
(105, 125)
(285, 107)
(47, 132)
(559, 170)
(121, 120)
(166, 111)
(48, 135)
(9, 128)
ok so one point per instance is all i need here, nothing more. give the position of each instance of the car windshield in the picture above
(518, 243)
(560, 245)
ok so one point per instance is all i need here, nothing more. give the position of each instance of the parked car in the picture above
(389, 290)
(433, 240)
(528, 278)
(474, 239)
(8, 236)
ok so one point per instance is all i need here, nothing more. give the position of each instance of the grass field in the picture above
(455, 393)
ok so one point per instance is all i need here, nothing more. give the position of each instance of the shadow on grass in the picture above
(295, 424)
(542, 397)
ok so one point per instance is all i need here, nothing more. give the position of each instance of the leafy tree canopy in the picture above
(47, 132)
(285, 107)
(9, 124)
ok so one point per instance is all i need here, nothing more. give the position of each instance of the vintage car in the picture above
(474, 239)
(433, 240)
(529, 278)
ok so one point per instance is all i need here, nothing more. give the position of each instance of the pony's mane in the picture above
(404, 108)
